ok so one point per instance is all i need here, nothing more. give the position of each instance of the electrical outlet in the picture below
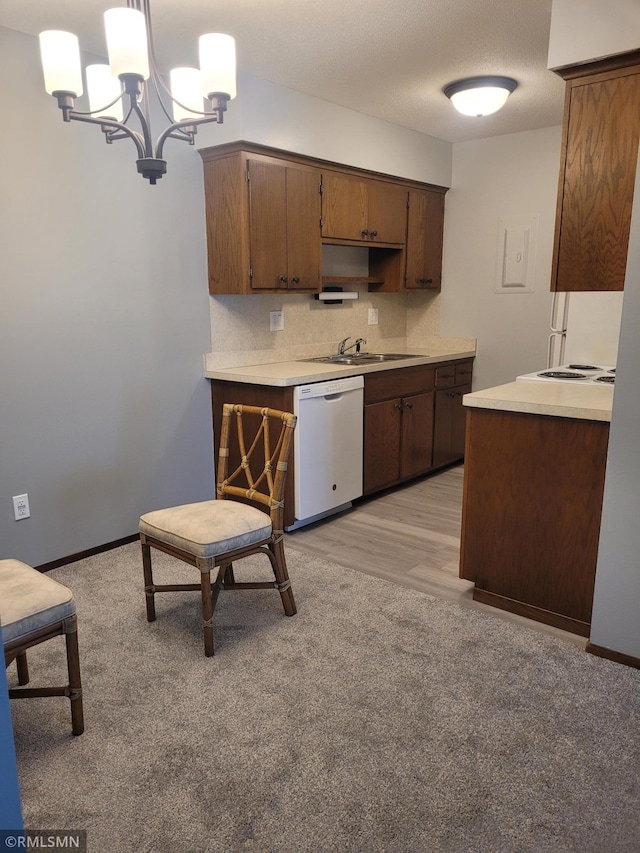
(276, 321)
(373, 317)
(21, 507)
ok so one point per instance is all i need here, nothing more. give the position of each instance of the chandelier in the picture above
(119, 92)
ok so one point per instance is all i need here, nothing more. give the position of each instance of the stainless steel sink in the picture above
(361, 358)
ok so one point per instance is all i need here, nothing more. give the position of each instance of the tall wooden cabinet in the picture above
(597, 173)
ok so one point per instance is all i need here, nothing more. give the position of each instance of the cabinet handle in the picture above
(283, 279)
(364, 232)
(374, 234)
(295, 280)
(409, 405)
(425, 281)
(451, 394)
(398, 406)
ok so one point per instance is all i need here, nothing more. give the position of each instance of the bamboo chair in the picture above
(217, 533)
(34, 608)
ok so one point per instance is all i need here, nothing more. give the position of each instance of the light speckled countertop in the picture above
(559, 399)
(285, 373)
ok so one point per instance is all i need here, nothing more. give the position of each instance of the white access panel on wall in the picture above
(516, 254)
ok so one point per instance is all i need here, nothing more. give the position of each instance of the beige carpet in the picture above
(377, 719)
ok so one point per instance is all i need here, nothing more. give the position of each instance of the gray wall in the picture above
(616, 605)
(104, 317)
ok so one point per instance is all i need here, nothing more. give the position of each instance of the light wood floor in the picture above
(411, 536)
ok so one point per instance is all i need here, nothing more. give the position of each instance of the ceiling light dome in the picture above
(480, 96)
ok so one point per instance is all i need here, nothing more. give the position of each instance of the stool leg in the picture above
(207, 611)
(22, 667)
(279, 563)
(75, 684)
(148, 582)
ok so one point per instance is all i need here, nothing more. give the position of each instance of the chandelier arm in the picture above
(169, 132)
(144, 124)
(115, 125)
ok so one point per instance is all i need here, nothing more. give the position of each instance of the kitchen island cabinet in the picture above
(597, 171)
(532, 500)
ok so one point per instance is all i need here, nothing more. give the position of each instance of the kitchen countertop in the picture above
(286, 373)
(558, 399)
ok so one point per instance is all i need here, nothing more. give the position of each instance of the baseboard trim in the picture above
(610, 654)
(90, 552)
(548, 617)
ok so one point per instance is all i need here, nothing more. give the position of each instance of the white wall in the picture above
(501, 177)
(583, 30)
(103, 322)
(616, 607)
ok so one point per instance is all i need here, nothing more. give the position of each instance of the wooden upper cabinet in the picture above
(269, 211)
(424, 240)
(363, 210)
(284, 215)
(597, 174)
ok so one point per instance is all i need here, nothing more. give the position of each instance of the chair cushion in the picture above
(208, 528)
(30, 600)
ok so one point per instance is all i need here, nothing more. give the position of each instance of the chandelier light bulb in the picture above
(218, 65)
(60, 55)
(186, 90)
(126, 33)
(102, 89)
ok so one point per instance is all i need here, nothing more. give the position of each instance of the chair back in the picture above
(263, 453)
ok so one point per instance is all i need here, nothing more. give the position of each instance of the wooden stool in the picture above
(35, 608)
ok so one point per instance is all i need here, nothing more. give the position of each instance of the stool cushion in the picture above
(30, 601)
(208, 528)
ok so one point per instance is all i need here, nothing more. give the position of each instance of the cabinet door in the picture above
(284, 226)
(304, 247)
(449, 427)
(387, 212)
(381, 444)
(268, 224)
(344, 207)
(596, 184)
(417, 434)
(424, 240)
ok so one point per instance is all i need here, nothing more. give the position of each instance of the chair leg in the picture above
(148, 582)
(279, 563)
(23, 668)
(75, 684)
(207, 610)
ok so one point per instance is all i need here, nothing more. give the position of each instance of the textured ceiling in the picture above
(383, 58)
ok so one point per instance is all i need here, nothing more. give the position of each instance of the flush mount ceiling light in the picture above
(119, 91)
(480, 96)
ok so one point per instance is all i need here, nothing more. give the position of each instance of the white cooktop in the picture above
(578, 374)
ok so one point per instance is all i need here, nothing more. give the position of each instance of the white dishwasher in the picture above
(327, 447)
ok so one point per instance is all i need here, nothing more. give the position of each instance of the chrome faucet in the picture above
(342, 346)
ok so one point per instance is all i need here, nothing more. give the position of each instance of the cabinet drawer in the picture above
(389, 384)
(464, 372)
(446, 376)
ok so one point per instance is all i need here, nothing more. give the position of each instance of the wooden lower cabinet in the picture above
(452, 383)
(532, 501)
(398, 426)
